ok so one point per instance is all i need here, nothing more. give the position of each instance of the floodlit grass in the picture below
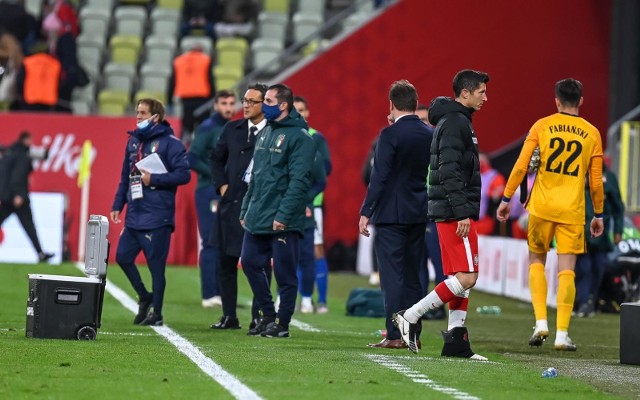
(128, 361)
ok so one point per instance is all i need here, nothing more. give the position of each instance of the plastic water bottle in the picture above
(491, 310)
(549, 373)
(381, 333)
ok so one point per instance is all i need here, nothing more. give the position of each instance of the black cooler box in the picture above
(70, 307)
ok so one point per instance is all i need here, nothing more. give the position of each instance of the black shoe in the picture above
(254, 322)
(456, 344)
(261, 326)
(227, 323)
(43, 257)
(143, 309)
(152, 319)
(275, 330)
(435, 314)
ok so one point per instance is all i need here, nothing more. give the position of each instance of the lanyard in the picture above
(138, 158)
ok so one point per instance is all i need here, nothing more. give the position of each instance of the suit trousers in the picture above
(257, 250)
(400, 250)
(228, 278)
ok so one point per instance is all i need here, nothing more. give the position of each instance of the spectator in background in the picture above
(273, 210)
(230, 162)
(590, 266)
(367, 241)
(206, 198)
(321, 269)
(192, 83)
(38, 82)
(151, 204)
(61, 28)
(15, 20)
(431, 242)
(201, 15)
(10, 62)
(238, 18)
(15, 168)
(491, 193)
(396, 204)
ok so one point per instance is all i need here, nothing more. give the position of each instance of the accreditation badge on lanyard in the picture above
(135, 183)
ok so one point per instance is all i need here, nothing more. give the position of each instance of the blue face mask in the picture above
(271, 112)
(145, 125)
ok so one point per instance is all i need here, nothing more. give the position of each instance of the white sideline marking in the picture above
(418, 377)
(303, 326)
(207, 365)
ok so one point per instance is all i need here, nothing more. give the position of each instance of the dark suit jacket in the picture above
(229, 161)
(397, 192)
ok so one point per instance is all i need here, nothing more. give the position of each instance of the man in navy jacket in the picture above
(396, 204)
(150, 199)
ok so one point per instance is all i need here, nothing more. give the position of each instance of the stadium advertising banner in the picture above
(64, 136)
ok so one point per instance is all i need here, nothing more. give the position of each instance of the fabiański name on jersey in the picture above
(560, 128)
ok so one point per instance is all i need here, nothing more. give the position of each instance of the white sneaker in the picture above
(212, 302)
(322, 308)
(408, 331)
(374, 279)
(540, 333)
(564, 344)
(306, 306)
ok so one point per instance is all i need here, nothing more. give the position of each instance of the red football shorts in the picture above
(458, 254)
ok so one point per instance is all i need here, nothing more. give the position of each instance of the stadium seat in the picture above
(273, 25)
(119, 76)
(282, 6)
(205, 42)
(136, 2)
(305, 25)
(106, 4)
(130, 20)
(165, 21)
(94, 20)
(33, 7)
(89, 50)
(113, 102)
(264, 53)
(231, 52)
(175, 4)
(226, 77)
(125, 49)
(80, 107)
(154, 77)
(86, 93)
(313, 6)
(355, 20)
(146, 94)
(159, 49)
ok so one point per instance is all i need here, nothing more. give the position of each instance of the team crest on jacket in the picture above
(154, 146)
(280, 140)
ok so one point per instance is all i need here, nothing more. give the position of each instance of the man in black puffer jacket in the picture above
(454, 203)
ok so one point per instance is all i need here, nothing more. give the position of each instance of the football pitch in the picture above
(325, 358)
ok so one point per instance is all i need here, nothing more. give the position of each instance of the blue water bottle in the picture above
(549, 373)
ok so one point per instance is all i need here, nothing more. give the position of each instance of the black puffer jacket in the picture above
(454, 177)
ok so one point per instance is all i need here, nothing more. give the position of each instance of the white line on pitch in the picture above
(418, 377)
(207, 365)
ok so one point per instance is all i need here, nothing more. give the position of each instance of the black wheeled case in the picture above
(70, 307)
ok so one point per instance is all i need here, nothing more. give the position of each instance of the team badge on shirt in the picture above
(280, 140)
(154, 146)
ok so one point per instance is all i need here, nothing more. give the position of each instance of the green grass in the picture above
(128, 361)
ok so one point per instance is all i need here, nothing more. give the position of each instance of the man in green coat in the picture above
(273, 210)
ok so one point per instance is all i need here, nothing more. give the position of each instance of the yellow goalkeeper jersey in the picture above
(570, 147)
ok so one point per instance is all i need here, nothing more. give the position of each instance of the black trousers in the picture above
(228, 282)
(400, 249)
(26, 219)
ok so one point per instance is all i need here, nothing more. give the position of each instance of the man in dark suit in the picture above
(396, 204)
(229, 164)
